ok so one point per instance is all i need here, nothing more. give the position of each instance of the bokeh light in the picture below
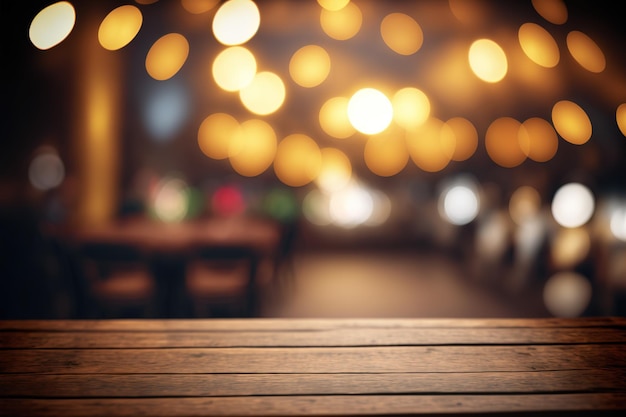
(487, 60)
(459, 204)
(620, 118)
(370, 111)
(309, 66)
(228, 200)
(502, 142)
(341, 24)
(465, 138)
(539, 45)
(167, 56)
(46, 170)
(236, 22)
(386, 154)
(333, 4)
(234, 68)
(411, 107)
(573, 205)
(170, 201)
(401, 33)
(567, 294)
(352, 206)
(165, 111)
(431, 145)
(335, 170)
(199, 6)
(524, 204)
(586, 52)
(571, 122)
(617, 222)
(554, 11)
(120, 27)
(216, 133)
(52, 25)
(315, 207)
(538, 139)
(298, 160)
(264, 94)
(281, 204)
(334, 119)
(252, 148)
(569, 248)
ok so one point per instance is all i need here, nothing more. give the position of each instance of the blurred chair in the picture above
(222, 281)
(115, 281)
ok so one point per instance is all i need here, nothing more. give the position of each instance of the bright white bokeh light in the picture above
(171, 200)
(370, 111)
(381, 209)
(46, 170)
(567, 294)
(618, 223)
(315, 208)
(351, 206)
(573, 205)
(236, 22)
(460, 204)
(52, 25)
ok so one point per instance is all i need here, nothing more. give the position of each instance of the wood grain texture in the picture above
(313, 405)
(314, 360)
(312, 367)
(314, 337)
(233, 385)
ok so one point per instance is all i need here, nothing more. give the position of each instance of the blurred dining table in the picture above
(168, 246)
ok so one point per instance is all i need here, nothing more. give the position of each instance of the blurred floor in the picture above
(380, 284)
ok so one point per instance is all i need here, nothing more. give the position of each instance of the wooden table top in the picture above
(312, 367)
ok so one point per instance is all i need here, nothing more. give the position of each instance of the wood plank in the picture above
(263, 324)
(208, 385)
(311, 338)
(313, 405)
(315, 360)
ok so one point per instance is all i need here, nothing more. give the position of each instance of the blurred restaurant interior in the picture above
(283, 158)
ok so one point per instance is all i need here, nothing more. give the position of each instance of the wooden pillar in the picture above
(97, 127)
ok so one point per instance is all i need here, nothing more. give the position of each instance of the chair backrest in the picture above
(103, 258)
(226, 261)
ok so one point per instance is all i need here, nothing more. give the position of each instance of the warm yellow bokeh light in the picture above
(264, 94)
(335, 171)
(538, 139)
(234, 68)
(370, 111)
(167, 56)
(386, 154)
(298, 160)
(571, 122)
(236, 22)
(333, 5)
(401, 33)
(411, 107)
(341, 24)
(52, 25)
(502, 142)
(465, 138)
(620, 118)
(427, 145)
(309, 66)
(539, 45)
(524, 204)
(334, 120)
(199, 6)
(253, 148)
(120, 27)
(586, 52)
(487, 60)
(216, 133)
(554, 11)
(570, 247)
